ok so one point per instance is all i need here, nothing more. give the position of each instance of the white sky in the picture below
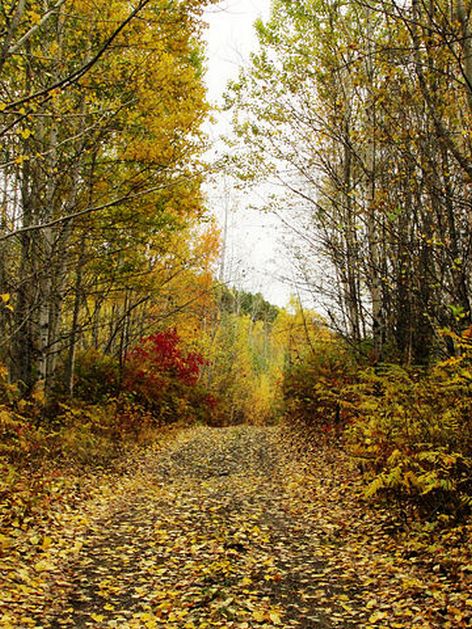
(230, 39)
(254, 256)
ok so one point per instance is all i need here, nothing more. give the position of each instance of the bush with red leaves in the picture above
(162, 376)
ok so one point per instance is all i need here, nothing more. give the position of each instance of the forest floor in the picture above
(224, 528)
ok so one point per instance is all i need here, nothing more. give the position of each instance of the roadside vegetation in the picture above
(121, 351)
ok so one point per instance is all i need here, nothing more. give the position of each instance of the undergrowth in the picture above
(408, 431)
(49, 442)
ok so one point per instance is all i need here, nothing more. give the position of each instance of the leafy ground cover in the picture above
(403, 572)
(229, 528)
(46, 509)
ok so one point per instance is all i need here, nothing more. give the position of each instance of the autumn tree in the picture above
(102, 107)
(245, 358)
(363, 123)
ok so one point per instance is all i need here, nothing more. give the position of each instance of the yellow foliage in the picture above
(414, 435)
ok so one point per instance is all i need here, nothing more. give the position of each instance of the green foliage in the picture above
(8, 391)
(96, 376)
(254, 305)
(245, 368)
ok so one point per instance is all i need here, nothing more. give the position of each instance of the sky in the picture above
(254, 255)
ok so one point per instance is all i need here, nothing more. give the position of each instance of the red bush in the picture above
(160, 354)
(160, 375)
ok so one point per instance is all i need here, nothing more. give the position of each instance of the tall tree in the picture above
(360, 112)
(102, 108)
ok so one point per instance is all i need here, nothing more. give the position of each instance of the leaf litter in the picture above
(226, 528)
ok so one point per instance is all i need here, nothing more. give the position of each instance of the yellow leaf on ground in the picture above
(5, 541)
(376, 616)
(259, 616)
(97, 617)
(275, 617)
(42, 566)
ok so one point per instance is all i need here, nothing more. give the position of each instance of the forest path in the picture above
(206, 535)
